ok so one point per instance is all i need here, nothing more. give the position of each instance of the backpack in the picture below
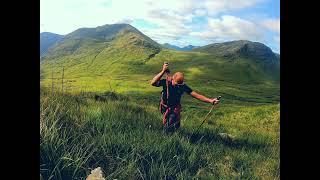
(171, 115)
(162, 104)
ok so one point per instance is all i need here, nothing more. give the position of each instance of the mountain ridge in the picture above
(101, 37)
(127, 59)
(174, 47)
(47, 40)
(240, 48)
(107, 33)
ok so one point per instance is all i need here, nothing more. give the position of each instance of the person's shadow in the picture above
(169, 177)
(209, 137)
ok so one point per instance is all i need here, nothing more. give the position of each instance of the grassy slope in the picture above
(125, 139)
(129, 71)
(116, 134)
(103, 139)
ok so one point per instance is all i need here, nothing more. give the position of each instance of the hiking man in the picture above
(173, 88)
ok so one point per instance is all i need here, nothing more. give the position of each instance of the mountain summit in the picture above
(121, 52)
(115, 37)
(240, 48)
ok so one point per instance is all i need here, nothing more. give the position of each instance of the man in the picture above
(173, 88)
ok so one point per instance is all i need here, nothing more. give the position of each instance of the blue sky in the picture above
(178, 22)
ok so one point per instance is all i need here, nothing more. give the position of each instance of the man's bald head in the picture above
(178, 78)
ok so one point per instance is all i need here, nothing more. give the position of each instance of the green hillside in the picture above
(120, 57)
(241, 48)
(99, 109)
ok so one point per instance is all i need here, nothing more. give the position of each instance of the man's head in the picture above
(178, 78)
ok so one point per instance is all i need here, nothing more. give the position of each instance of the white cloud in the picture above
(200, 12)
(230, 28)
(66, 16)
(218, 6)
(170, 22)
(272, 24)
(173, 18)
(62, 16)
(124, 21)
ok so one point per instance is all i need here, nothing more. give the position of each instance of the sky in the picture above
(177, 22)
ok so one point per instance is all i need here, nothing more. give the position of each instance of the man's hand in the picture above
(165, 67)
(214, 101)
(157, 78)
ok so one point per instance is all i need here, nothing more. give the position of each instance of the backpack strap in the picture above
(167, 84)
(162, 102)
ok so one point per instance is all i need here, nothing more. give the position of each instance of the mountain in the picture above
(47, 40)
(120, 38)
(119, 56)
(189, 47)
(108, 113)
(186, 48)
(240, 48)
(170, 46)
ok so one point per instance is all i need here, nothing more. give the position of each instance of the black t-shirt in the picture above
(175, 92)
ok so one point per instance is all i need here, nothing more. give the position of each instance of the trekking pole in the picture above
(167, 81)
(205, 118)
(167, 84)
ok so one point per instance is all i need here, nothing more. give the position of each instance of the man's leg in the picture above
(177, 125)
(174, 121)
(169, 125)
(177, 117)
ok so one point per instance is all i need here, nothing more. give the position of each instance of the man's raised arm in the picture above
(157, 78)
(203, 98)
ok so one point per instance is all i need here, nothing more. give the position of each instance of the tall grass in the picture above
(81, 132)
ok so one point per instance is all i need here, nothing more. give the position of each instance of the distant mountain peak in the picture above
(174, 47)
(47, 40)
(240, 48)
(104, 32)
(114, 50)
(98, 38)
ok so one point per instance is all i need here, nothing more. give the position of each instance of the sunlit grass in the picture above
(80, 132)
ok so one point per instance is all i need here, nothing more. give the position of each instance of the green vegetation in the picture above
(241, 48)
(126, 61)
(107, 115)
(238, 81)
(81, 132)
